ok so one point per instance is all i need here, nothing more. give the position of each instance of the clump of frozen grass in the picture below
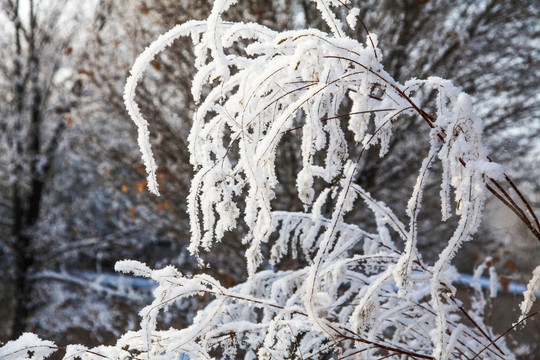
(377, 302)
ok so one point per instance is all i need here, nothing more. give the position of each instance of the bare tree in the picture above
(32, 131)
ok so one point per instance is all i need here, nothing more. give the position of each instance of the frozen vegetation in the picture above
(351, 292)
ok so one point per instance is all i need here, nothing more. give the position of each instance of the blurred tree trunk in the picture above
(26, 204)
(31, 161)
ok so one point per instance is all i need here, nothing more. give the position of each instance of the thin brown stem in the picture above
(339, 117)
(520, 194)
(505, 333)
(364, 27)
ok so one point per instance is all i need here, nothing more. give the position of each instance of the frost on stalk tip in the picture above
(529, 296)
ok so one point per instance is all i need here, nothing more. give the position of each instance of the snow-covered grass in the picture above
(355, 294)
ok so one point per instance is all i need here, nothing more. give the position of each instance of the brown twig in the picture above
(364, 27)
(339, 117)
(504, 333)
